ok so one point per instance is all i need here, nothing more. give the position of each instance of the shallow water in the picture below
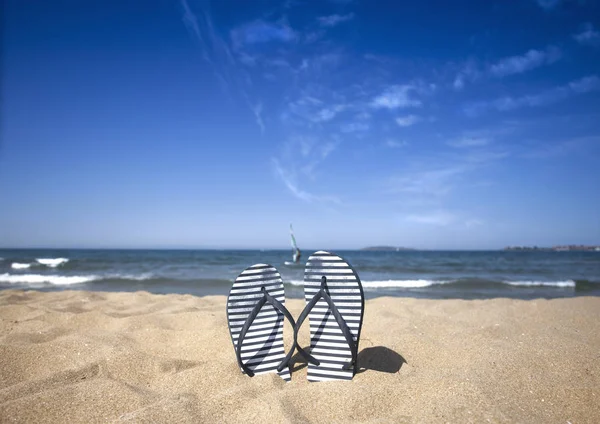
(430, 274)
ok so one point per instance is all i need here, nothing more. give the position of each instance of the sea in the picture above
(422, 274)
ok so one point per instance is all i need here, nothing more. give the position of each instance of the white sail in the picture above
(295, 250)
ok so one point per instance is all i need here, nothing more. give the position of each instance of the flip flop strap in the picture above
(322, 294)
(267, 298)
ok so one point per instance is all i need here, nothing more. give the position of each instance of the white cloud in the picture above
(467, 142)
(328, 113)
(436, 181)
(191, 21)
(363, 116)
(260, 31)
(327, 148)
(548, 4)
(438, 174)
(215, 50)
(585, 85)
(507, 103)
(257, 110)
(407, 121)
(289, 181)
(469, 72)
(545, 149)
(395, 143)
(526, 62)
(333, 20)
(472, 71)
(397, 96)
(588, 35)
(355, 127)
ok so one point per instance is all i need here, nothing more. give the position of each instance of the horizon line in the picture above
(366, 248)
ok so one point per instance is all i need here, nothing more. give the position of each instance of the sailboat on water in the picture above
(295, 251)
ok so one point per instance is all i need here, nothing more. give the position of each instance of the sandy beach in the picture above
(78, 356)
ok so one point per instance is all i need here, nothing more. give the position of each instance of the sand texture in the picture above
(86, 357)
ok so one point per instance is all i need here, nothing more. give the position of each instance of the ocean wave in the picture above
(61, 280)
(421, 283)
(52, 262)
(58, 280)
(17, 265)
(405, 284)
(133, 277)
(567, 283)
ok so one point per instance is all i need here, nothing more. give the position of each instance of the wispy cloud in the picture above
(313, 110)
(588, 35)
(394, 144)
(473, 71)
(507, 103)
(289, 180)
(432, 181)
(407, 121)
(200, 27)
(469, 72)
(545, 150)
(191, 22)
(467, 142)
(355, 127)
(526, 62)
(436, 175)
(333, 20)
(328, 113)
(260, 31)
(585, 85)
(257, 110)
(216, 51)
(397, 97)
(548, 4)
(439, 218)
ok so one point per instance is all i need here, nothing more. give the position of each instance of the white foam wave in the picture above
(138, 277)
(406, 284)
(17, 265)
(567, 283)
(68, 279)
(59, 280)
(52, 262)
(414, 284)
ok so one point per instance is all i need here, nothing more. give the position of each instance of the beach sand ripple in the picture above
(76, 356)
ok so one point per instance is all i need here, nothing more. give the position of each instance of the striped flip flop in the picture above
(255, 312)
(335, 305)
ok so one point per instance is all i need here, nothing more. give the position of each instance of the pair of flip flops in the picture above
(334, 307)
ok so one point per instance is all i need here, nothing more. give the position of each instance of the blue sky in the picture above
(186, 123)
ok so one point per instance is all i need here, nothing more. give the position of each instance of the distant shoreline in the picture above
(567, 248)
(385, 249)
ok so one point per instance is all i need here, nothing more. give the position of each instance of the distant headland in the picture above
(565, 248)
(385, 248)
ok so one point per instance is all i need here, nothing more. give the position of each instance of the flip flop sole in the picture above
(262, 348)
(327, 341)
